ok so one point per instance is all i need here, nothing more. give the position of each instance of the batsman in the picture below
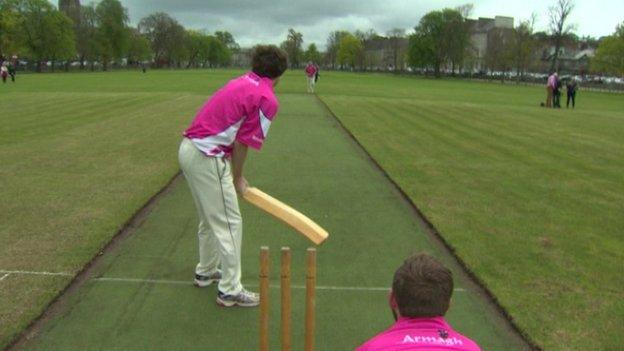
(212, 155)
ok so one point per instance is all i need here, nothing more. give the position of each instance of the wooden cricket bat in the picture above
(286, 214)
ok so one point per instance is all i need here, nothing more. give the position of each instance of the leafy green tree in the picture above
(428, 46)
(60, 37)
(457, 34)
(333, 44)
(228, 40)
(204, 49)
(420, 53)
(166, 37)
(196, 46)
(292, 46)
(8, 24)
(609, 57)
(522, 46)
(139, 49)
(312, 54)
(350, 51)
(112, 31)
(71, 8)
(441, 37)
(87, 43)
(219, 54)
(44, 32)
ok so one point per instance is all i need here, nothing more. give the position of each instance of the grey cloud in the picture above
(268, 21)
(252, 22)
(281, 11)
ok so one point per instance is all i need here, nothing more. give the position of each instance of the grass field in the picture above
(334, 184)
(78, 159)
(530, 199)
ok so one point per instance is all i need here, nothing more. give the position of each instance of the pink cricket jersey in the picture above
(552, 81)
(240, 111)
(310, 71)
(432, 334)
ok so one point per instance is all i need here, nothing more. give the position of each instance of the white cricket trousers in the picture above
(311, 83)
(220, 223)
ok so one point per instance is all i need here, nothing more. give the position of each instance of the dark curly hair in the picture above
(269, 61)
(422, 287)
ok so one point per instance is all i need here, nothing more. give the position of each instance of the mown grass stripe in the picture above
(530, 198)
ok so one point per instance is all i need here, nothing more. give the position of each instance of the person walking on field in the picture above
(550, 88)
(311, 71)
(571, 88)
(212, 155)
(419, 299)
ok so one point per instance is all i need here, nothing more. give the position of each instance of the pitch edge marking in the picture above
(64, 274)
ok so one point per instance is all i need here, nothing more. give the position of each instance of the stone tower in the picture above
(71, 8)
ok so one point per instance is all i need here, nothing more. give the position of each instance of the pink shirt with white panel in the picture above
(432, 334)
(310, 70)
(240, 111)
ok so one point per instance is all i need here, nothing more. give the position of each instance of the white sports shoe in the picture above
(202, 281)
(244, 298)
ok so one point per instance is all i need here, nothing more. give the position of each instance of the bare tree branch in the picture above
(559, 15)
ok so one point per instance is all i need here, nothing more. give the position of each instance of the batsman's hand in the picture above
(241, 185)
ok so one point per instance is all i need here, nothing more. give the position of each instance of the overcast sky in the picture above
(267, 21)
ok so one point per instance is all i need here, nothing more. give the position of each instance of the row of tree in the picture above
(100, 32)
(442, 41)
(610, 54)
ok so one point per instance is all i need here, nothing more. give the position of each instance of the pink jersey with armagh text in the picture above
(432, 334)
(240, 111)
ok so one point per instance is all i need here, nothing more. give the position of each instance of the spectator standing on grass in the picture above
(550, 88)
(419, 299)
(316, 75)
(557, 93)
(212, 156)
(571, 88)
(11, 69)
(4, 72)
(311, 71)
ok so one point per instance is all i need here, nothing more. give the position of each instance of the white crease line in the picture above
(187, 282)
(298, 287)
(4, 276)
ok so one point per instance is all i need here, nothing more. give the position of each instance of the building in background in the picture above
(381, 53)
(482, 31)
(574, 58)
(242, 58)
(71, 8)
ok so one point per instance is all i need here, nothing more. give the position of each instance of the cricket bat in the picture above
(286, 214)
